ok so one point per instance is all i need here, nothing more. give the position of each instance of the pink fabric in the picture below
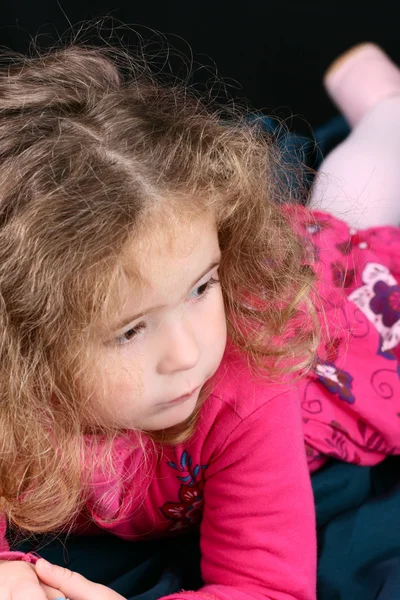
(3, 529)
(243, 478)
(26, 557)
(351, 402)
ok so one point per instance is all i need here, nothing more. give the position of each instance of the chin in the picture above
(172, 416)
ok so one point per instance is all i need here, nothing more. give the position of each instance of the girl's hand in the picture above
(19, 580)
(73, 585)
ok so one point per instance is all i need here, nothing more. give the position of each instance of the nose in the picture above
(180, 350)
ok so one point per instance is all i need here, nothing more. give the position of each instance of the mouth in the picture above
(182, 398)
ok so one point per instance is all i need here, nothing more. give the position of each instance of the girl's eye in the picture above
(129, 335)
(132, 333)
(203, 289)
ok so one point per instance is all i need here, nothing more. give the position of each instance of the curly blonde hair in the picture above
(90, 140)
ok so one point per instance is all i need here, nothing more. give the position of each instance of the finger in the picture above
(27, 586)
(33, 591)
(73, 585)
(52, 593)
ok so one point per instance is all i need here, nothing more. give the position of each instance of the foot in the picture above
(361, 78)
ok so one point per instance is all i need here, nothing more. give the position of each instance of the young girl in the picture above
(174, 330)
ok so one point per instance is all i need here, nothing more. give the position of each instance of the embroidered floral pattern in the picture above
(311, 252)
(315, 227)
(335, 380)
(311, 230)
(189, 508)
(342, 277)
(332, 349)
(386, 302)
(373, 441)
(338, 443)
(379, 300)
(346, 247)
(372, 323)
(314, 457)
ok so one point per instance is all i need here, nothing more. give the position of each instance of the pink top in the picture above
(243, 476)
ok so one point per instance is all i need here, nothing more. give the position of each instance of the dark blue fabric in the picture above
(138, 571)
(301, 149)
(302, 155)
(358, 518)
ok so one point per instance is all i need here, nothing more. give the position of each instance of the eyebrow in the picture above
(128, 320)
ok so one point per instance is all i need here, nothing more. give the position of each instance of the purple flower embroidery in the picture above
(347, 246)
(379, 300)
(386, 302)
(336, 380)
(342, 276)
(315, 227)
(340, 445)
(187, 511)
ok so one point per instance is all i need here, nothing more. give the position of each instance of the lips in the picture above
(183, 397)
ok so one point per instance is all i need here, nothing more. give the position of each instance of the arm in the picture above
(258, 536)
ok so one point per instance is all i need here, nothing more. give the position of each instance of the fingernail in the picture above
(46, 565)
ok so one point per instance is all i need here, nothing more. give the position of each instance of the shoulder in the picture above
(239, 388)
(243, 411)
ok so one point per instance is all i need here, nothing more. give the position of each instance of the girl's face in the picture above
(173, 334)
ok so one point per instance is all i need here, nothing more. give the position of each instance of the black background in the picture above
(272, 52)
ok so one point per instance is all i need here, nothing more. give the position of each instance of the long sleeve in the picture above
(258, 538)
(251, 493)
(6, 553)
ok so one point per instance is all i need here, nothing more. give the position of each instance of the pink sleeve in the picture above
(258, 535)
(6, 553)
(26, 557)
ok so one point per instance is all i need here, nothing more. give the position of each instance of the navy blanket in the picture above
(358, 517)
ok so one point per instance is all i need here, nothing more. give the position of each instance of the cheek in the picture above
(117, 382)
(216, 320)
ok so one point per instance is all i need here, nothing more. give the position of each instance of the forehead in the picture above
(172, 246)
